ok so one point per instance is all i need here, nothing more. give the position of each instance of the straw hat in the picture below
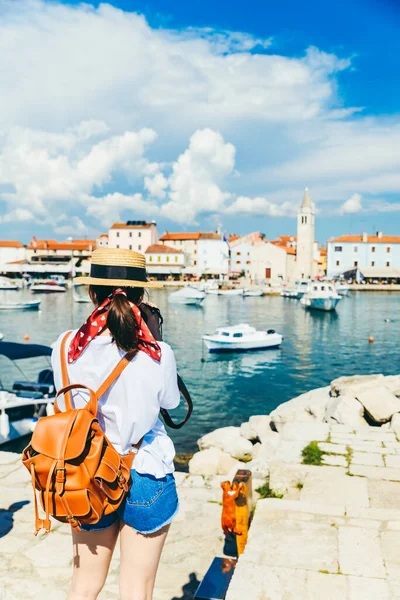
(118, 267)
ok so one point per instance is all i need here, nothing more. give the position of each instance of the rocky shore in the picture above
(326, 521)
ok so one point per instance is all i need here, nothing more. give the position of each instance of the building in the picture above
(373, 256)
(164, 262)
(273, 262)
(305, 268)
(133, 235)
(242, 252)
(11, 252)
(52, 251)
(102, 241)
(206, 253)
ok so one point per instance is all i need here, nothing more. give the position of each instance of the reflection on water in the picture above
(228, 388)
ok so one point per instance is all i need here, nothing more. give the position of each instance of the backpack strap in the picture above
(189, 403)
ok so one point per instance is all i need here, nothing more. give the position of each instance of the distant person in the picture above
(129, 415)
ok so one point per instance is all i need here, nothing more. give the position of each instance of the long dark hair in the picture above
(120, 318)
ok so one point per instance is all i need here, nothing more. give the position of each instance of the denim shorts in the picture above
(150, 505)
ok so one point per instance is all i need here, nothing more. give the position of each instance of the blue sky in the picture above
(199, 114)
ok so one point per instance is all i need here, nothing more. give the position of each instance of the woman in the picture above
(128, 414)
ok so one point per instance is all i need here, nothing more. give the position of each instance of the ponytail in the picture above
(120, 319)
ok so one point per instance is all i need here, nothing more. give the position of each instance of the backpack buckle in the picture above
(73, 521)
(60, 479)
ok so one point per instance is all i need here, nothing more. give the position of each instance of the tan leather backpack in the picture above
(79, 475)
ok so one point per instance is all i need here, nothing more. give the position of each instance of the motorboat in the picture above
(187, 295)
(342, 288)
(26, 401)
(226, 292)
(248, 293)
(321, 296)
(34, 305)
(298, 291)
(47, 287)
(241, 337)
(81, 299)
(8, 284)
(60, 279)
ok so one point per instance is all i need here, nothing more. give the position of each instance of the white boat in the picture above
(321, 296)
(47, 287)
(248, 293)
(342, 289)
(8, 284)
(241, 337)
(226, 292)
(81, 299)
(299, 289)
(187, 295)
(60, 279)
(34, 305)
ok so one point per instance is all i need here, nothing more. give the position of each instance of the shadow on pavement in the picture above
(7, 517)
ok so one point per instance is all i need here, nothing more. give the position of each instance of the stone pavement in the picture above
(40, 567)
(335, 535)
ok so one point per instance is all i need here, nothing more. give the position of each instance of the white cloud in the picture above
(18, 215)
(352, 205)
(108, 208)
(156, 185)
(263, 207)
(75, 227)
(197, 175)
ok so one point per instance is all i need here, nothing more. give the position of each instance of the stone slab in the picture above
(272, 504)
(333, 448)
(392, 460)
(289, 451)
(330, 488)
(327, 587)
(384, 494)
(381, 514)
(283, 476)
(387, 473)
(334, 460)
(360, 552)
(367, 588)
(305, 432)
(368, 459)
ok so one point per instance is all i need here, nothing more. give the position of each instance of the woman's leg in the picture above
(93, 551)
(140, 555)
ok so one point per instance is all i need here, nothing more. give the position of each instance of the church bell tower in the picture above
(305, 239)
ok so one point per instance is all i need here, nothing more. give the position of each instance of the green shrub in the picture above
(312, 454)
(266, 492)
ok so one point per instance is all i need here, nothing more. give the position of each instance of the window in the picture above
(130, 234)
(139, 234)
(355, 263)
(372, 263)
(117, 245)
(117, 233)
(388, 249)
(355, 248)
(388, 264)
(305, 220)
(139, 247)
(150, 259)
(176, 259)
(225, 333)
(130, 246)
(373, 249)
(238, 262)
(237, 335)
(248, 262)
(195, 262)
(338, 248)
(238, 253)
(167, 259)
(195, 251)
(338, 263)
(159, 258)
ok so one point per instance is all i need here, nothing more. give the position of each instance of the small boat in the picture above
(321, 296)
(298, 291)
(248, 293)
(187, 295)
(60, 279)
(342, 289)
(226, 292)
(241, 337)
(47, 287)
(8, 284)
(81, 299)
(21, 406)
(34, 305)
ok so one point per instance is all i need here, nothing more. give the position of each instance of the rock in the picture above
(352, 386)
(229, 440)
(205, 462)
(261, 424)
(392, 383)
(307, 408)
(247, 432)
(379, 403)
(396, 424)
(212, 462)
(259, 468)
(345, 410)
(305, 432)
(256, 449)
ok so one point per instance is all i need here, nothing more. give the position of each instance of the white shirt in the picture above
(130, 409)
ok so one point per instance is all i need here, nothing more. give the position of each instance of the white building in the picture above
(102, 241)
(11, 252)
(273, 262)
(205, 253)
(164, 262)
(133, 235)
(52, 251)
(374, 256)
(305, 266)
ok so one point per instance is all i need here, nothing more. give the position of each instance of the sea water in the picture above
(228, 388)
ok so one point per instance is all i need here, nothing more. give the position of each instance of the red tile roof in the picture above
(288, 249)
(10, 244)
(126, 226)
(371, 239)
(54, 245)
(162, 249)
(185, 236)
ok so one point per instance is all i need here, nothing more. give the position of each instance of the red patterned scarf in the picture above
(97, 322)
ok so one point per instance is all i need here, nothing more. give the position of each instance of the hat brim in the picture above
(87, 280)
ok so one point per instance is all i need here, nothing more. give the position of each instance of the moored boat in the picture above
(226, 292)
(241, 337)
(342, 289)
(187, 295)
(34, 305)
(8, 284)
(47, 287)
(248, 293)
(321, 296)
